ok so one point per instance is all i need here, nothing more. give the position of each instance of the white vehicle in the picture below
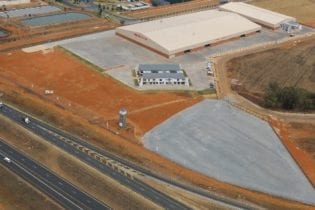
(6, 159)
(1, 104)
(27, 120)
(49, 92)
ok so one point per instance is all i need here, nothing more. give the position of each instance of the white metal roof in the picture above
(190, 30)
(258, 14)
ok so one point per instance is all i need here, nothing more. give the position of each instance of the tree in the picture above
(272, 94)
(289, 98)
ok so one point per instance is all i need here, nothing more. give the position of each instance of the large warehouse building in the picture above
(259, 15)
(176, 35)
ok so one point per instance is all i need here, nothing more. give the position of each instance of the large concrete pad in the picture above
(225, 143)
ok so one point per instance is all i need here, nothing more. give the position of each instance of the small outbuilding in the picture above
(161, 74)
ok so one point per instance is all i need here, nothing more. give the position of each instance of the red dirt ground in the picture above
(74, 81)
(291, 134)
(28, 101)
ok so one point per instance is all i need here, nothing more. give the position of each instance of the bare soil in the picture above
(40, 106)
(15, 193)
(304, 136)
(303, 10)
(289, 65)
(87, 91)
(300, 142)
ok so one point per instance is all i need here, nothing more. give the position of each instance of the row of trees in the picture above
(289, 98)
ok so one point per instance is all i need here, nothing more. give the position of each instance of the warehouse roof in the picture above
(188, 31)
(159, 71)
(159, 67)
(257, 13)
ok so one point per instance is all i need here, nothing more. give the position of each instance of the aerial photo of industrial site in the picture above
(157, 104)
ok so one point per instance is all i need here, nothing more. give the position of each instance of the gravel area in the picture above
(220, 141)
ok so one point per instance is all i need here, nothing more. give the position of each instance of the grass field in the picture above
(303, 10)
(17, 194)
(289, 65)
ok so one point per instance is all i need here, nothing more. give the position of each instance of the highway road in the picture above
(46, 181)
(74, 145)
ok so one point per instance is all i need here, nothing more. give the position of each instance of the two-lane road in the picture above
(46, 181)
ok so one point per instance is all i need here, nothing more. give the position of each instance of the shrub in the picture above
(288, 98)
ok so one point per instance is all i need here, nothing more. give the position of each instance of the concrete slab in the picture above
(230, 145)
